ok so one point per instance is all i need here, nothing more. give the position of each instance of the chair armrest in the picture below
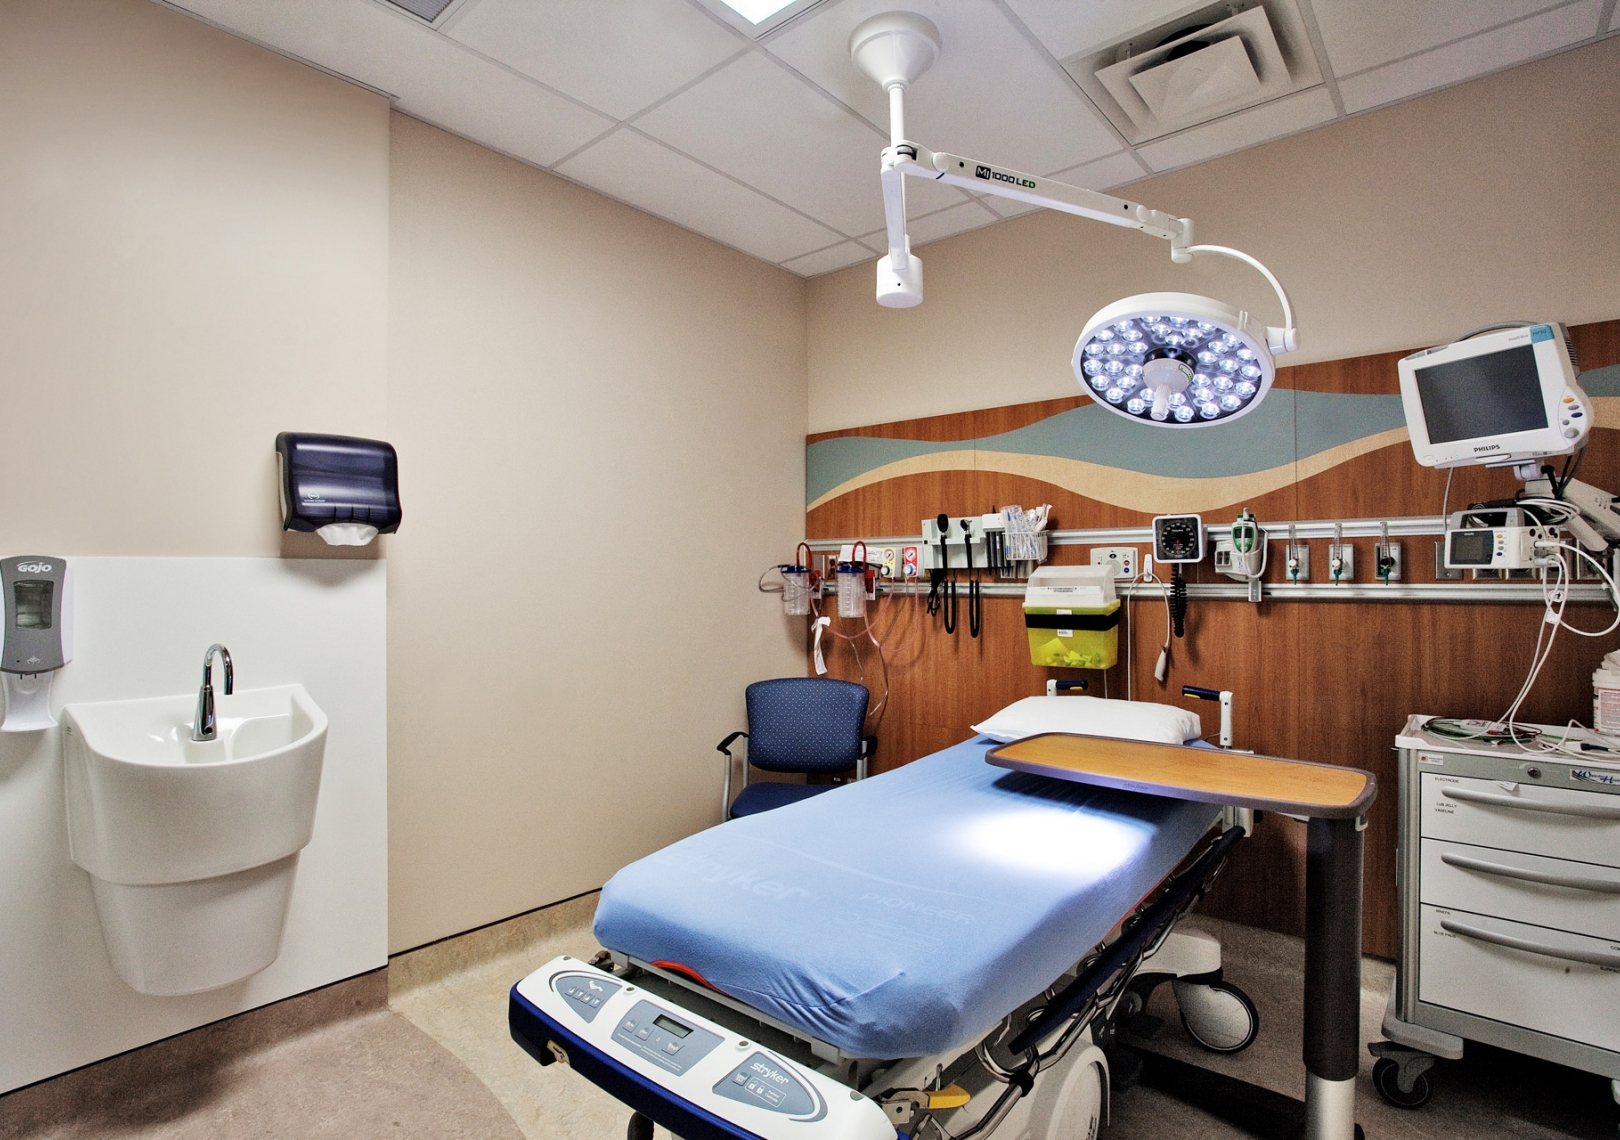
(725, 745)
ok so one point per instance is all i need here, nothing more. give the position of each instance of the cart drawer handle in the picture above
(1587, 811)
(1579, 882)
(1590, 957)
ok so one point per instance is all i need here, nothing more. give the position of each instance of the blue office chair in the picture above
(798, 724)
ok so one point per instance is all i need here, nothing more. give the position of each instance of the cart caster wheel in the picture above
(641, 1128)
(1218, 1016)
(1386, 1074)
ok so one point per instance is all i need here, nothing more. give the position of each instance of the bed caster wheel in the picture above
(641, 1128)
(1386, 1077)
(1218, 1015)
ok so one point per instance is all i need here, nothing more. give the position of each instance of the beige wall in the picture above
(1498, 199)
(600, 420)
(193, 257)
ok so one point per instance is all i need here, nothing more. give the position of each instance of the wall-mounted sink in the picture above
(192, 846)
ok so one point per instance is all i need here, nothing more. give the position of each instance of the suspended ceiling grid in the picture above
(767, 138)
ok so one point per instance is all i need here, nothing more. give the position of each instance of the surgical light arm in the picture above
(902, 158)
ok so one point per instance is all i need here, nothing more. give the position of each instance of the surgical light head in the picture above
(1164, 358)
(1175, 359)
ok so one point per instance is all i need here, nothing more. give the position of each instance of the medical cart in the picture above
(1508, 880)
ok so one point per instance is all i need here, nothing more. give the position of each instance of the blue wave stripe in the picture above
(1289, 426)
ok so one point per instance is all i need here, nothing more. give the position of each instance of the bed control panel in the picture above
(589, 1017)
(654, 1032)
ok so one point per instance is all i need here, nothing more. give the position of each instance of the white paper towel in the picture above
(347, 534)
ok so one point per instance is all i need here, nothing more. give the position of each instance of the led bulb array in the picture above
(1212, 368)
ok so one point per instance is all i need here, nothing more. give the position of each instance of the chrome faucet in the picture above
(204, 728)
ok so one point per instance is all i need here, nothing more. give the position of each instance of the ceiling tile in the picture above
(1359, 34)
(1070, 27)
(1244, 129)
(1471, 57)
(617, 57)
(769, 129)
(991, 95)
(430, 77)
(933, 227)
(637, 170)
(827, 260)
(1614, 21)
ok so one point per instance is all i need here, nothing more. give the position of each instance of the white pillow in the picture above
(1093, 716)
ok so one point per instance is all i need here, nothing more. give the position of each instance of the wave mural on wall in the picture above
(1090, 451)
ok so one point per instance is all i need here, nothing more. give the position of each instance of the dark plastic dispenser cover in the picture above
(337, 478)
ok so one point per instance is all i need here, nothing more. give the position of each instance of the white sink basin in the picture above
(192, 846)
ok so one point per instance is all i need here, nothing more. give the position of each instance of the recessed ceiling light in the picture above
(756, 11)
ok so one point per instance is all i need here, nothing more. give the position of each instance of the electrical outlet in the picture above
(1442, 572)
(1123, 559)
(1387, 561)
(1296, 562)
(1341, 565)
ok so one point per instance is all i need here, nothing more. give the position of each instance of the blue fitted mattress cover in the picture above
(906, 914)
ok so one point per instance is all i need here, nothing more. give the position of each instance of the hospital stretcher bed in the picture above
(940, 950)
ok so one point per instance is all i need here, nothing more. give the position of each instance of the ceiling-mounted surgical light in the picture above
(1167, 358)
(1174, 359)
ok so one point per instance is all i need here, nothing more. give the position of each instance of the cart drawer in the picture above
(1559, 822)
(1557, 893)
(1541, 979)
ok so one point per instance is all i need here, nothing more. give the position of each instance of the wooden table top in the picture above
(1239, 779)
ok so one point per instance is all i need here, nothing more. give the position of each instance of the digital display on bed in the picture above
(669, 1025)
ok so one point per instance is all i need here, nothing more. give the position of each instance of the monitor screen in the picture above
(1495, 393)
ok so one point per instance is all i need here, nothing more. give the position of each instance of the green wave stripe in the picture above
(1290, 425)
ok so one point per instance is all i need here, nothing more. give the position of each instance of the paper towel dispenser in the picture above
(343, 488)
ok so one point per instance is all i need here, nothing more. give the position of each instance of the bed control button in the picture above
(585, 995)
(766, 1083)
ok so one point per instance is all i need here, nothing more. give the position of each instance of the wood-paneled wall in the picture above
(1331, 682)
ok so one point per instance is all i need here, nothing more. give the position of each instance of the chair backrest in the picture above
(805, 724)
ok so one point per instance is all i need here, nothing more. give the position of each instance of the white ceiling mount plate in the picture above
(1206, 64)
(894, 49)
(992, 92)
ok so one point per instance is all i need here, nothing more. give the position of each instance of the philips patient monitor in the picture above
(1502, 397)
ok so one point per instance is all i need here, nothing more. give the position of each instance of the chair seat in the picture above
(756, 798)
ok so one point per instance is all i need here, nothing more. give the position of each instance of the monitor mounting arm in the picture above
(895, 49)
(1596, 526)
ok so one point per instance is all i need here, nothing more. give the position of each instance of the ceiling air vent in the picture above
(1208, 64)
(428, 10)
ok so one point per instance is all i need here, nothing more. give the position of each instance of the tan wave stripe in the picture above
(1606, 411)
(1132, 490)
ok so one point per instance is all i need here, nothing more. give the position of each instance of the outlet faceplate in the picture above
(1125, 560)
(1345, 555)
